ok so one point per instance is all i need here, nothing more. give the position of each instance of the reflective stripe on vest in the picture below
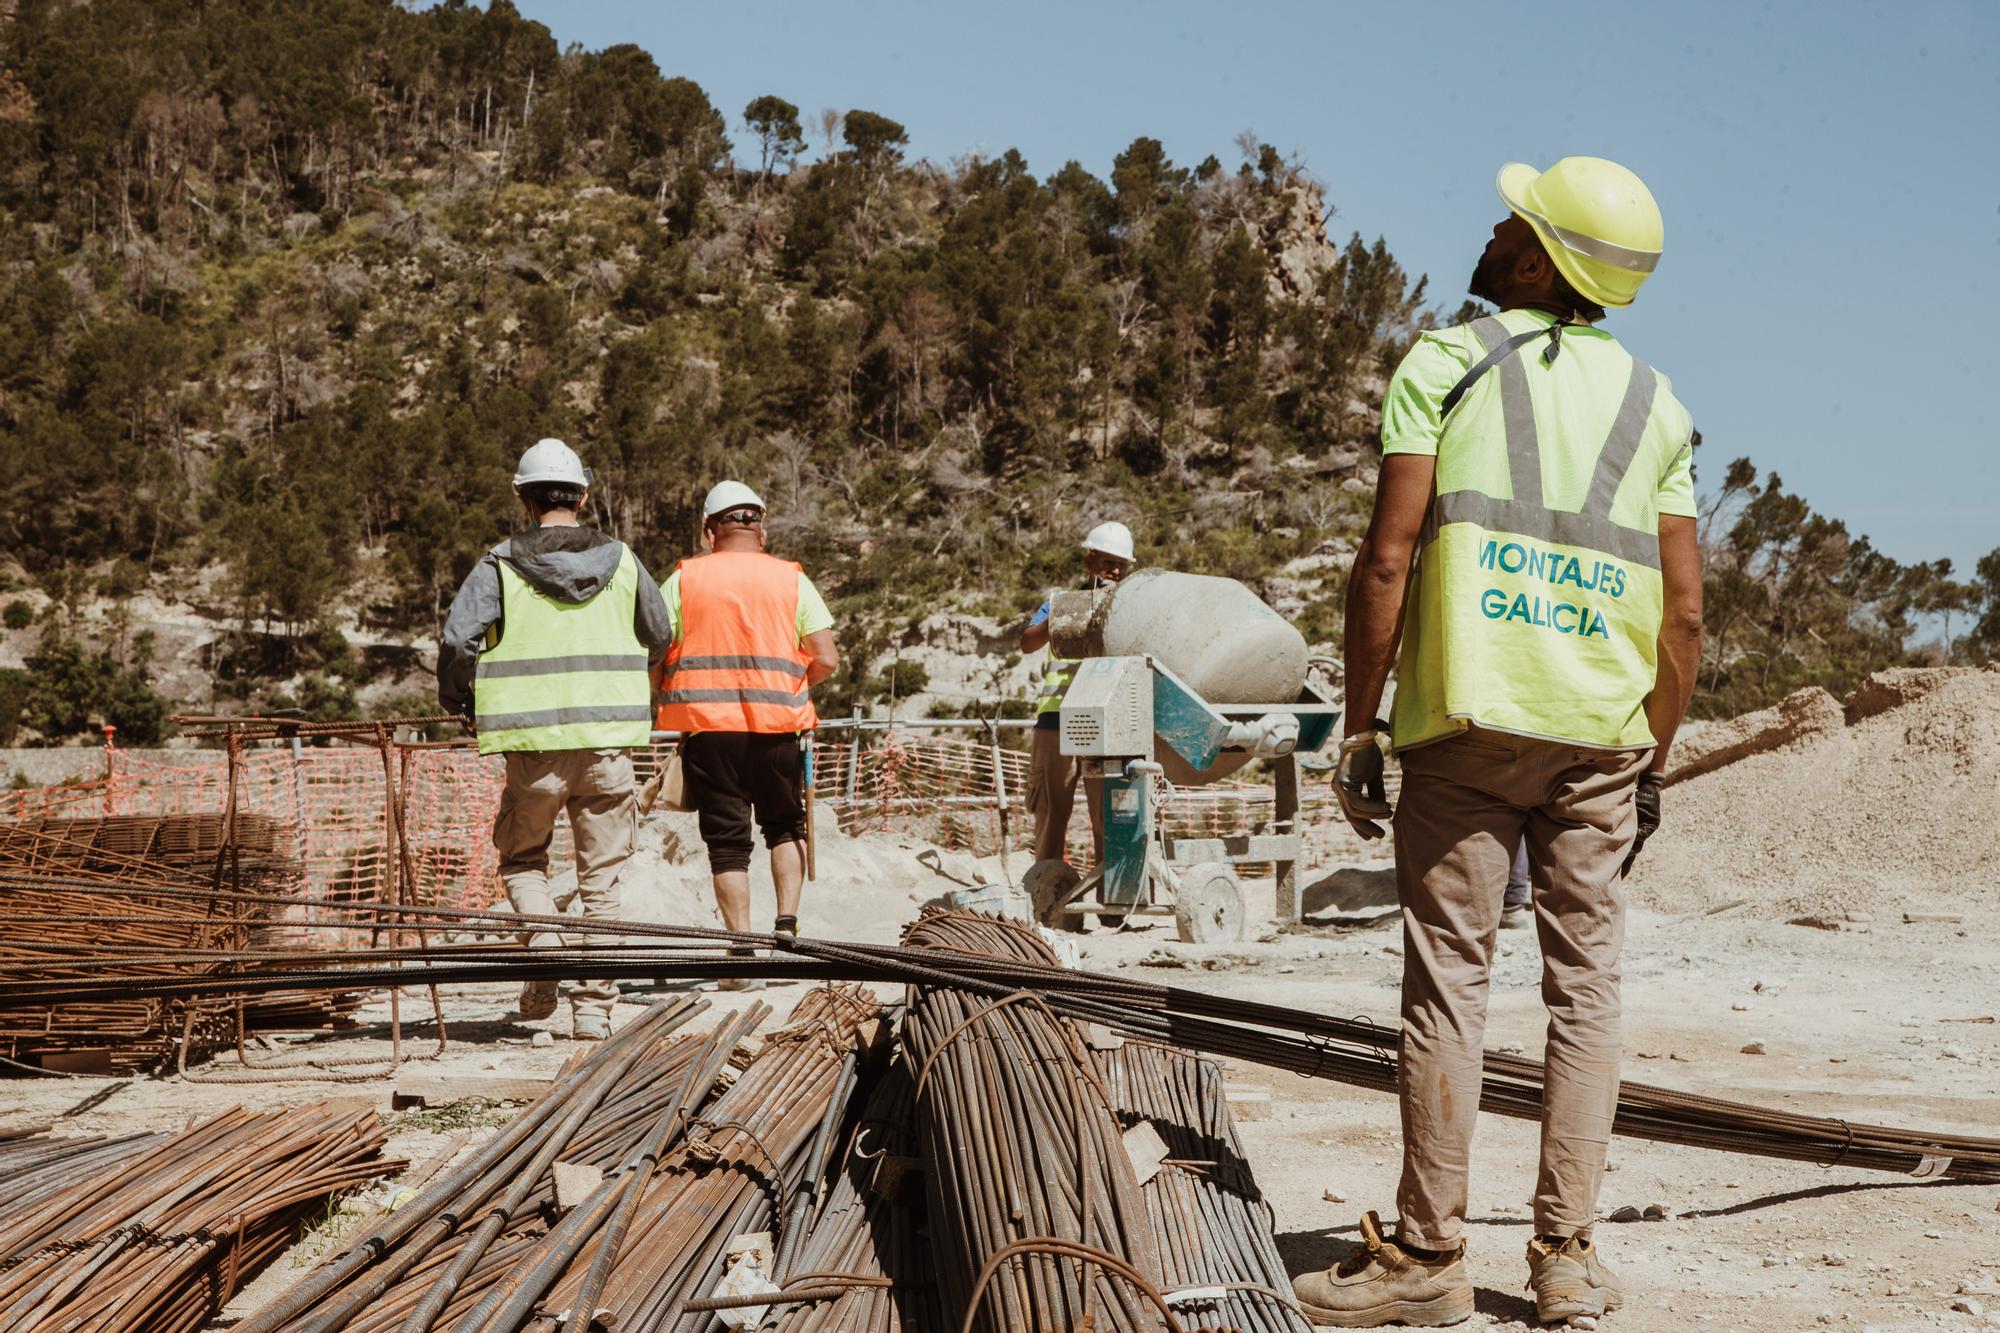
(1523, 617)
(1591, 528)
(564, 675)
(1056, 676)
(738, 664)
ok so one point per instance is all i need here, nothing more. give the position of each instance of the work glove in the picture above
(1647, 798)
(1358, 784)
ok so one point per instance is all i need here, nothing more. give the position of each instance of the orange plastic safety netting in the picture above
(331, 805)
(951, 792)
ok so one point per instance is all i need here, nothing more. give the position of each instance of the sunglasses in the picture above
(745, 518)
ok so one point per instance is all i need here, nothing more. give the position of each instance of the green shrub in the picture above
(13, 699)
(73, 687)
(903, 679)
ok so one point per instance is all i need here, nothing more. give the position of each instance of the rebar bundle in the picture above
(475, 1228)
(868, 1234)
(1213, 1223)
(33, 1166)
(1036, 1218)
(72, 897)
(46, 924)
(154, 1233)
(684, 1171)
(183, 841)
(742, 1162)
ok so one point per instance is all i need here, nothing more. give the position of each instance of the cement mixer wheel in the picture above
(1050, 885)
(1208, 904)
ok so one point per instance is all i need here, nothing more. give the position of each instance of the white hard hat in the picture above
(1113, 539)
(729, 495)
(550, 460)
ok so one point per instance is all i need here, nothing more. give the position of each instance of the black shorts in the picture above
(732, 775)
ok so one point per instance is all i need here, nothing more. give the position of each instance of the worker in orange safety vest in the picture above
(751, 637)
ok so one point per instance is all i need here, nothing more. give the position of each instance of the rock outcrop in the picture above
(1296, 245)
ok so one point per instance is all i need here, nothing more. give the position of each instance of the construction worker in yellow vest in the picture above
(547, 651)
(1533, 547)
(1052, 775)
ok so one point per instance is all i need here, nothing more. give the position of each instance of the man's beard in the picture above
(1481, 285)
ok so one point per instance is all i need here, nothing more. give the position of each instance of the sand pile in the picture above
(1799, 717)
(1899, 809)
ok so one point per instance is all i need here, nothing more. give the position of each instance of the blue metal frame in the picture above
(1194, 729)
(1316, 727)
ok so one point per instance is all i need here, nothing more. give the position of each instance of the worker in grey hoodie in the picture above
(547, 653)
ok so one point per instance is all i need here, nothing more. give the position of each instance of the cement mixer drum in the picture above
(1213, 633)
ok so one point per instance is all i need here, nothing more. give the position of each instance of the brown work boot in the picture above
(1381, 1283)
(741, 983)
(538, 999)
(1571, 1279)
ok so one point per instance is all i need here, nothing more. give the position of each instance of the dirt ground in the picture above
(1867, 1021)
(1857, 1023)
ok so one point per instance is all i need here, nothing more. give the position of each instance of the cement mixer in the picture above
(1185, 679)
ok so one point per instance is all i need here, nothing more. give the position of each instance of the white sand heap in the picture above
(1890, 804)
(867, 889)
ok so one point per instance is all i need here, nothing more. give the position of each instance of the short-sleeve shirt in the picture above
(1411, 423)
(813, 615)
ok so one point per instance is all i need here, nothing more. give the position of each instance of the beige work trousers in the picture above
(1052, 777)
(594, 787)
(1466, 803)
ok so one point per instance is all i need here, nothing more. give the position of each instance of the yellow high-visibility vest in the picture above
(564, 675)
(1056, 676)
(1535, 606)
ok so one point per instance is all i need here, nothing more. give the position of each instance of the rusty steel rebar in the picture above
(1036, 1217)
(741, 1162)
(1311, 1045)
(864, 1263)
(153, 1233)
(127, 864)
(434, 1225)
(1214, 1226)
(685, 1169)
(639, 1168)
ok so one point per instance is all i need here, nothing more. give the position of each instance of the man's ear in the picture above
(1534, 266)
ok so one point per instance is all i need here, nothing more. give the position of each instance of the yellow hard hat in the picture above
(1596, 219)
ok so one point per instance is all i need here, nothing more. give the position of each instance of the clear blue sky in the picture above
(1830, 174)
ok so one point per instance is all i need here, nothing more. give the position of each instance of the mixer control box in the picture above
(1107, 711)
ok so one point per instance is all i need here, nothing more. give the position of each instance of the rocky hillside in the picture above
(285, 288)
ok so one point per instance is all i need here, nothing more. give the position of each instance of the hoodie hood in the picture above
(568, 564)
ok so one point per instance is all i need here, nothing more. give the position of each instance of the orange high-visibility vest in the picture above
(738, 664)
